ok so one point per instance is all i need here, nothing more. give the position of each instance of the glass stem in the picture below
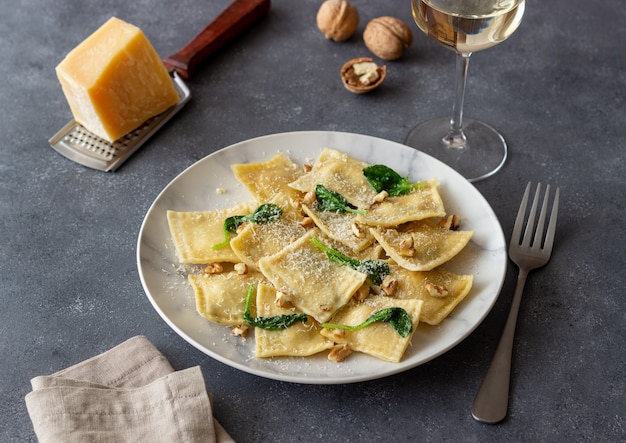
(455, 137)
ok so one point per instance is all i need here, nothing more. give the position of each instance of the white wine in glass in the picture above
(475, 149)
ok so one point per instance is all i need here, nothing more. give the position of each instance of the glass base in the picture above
(479, 155)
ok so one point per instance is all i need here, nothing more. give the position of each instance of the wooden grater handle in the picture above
(236, 18)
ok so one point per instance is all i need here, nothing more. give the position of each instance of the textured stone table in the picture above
(69, 283)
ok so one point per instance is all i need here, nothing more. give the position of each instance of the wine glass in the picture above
(473, 148)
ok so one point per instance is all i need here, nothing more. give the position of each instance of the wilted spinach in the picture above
(397, 317)
(264, 214)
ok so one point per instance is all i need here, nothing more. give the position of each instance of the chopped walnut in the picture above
(309, 198)
(358, 230)
(406, 248)
(339, 352)
(325, 308)
(362, 293)
(213, 268)
(389, 286)
(307, 167)
(239, 330)
(282, 300)
(338, 333)
(451, 222)
(296, 205)
(307, 222)
(241, 268)
(382, 195)
(436, 290)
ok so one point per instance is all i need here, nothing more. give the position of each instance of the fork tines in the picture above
(533, 234)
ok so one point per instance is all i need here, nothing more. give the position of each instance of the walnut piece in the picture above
(407, 248)
(241, 268)
(337, 19)
(387, 37)
(362, 83)
(282, 300)
(309, 198)
(451, 222)
(358, 230)
(339, 352)
(239, 330)
(437, 291)
(362, 293)
(389, 286)
(307, 222)
(380, 197)
(213, 268)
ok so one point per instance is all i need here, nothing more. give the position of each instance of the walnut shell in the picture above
(351, 81)
(387, 37)
(337, 19)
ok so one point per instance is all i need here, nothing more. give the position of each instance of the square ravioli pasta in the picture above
(440, 290)
(255, 241)
(221, 298)
(266, 179)
(378, 339)
(301, 339)
(195, 233)
(422, 245)
(314, 284)
(340, 173)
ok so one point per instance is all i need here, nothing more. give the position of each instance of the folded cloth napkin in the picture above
(127, 394)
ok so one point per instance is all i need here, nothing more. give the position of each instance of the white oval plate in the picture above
(195, 190)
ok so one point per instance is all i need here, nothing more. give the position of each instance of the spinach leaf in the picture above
(376, 270)
(328, 200)
(383, 178)
(275, 323)
(264, 214)
(397, 317)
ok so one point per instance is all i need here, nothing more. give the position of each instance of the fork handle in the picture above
(492, 400)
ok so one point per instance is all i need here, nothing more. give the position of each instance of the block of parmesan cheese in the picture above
(114, 80)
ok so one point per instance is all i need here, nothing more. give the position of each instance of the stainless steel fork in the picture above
(529, 252)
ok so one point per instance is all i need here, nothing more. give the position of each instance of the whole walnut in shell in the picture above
(387, 37)
(337, 19)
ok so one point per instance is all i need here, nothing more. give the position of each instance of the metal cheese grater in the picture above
(79, 144)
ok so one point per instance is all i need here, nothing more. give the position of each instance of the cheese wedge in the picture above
(114, 81)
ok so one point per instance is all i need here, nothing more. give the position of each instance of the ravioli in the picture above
(340, 173)
(378, 339)
(291, 275)
(255, 241)
(300, 339)
(195, 233)
(266, 179)
(440, 290)
(421, 246)
(421, 203)
(313, 283)
(221, 298)
(341, 227)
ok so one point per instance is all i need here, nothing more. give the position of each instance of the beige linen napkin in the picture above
(127, 394)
